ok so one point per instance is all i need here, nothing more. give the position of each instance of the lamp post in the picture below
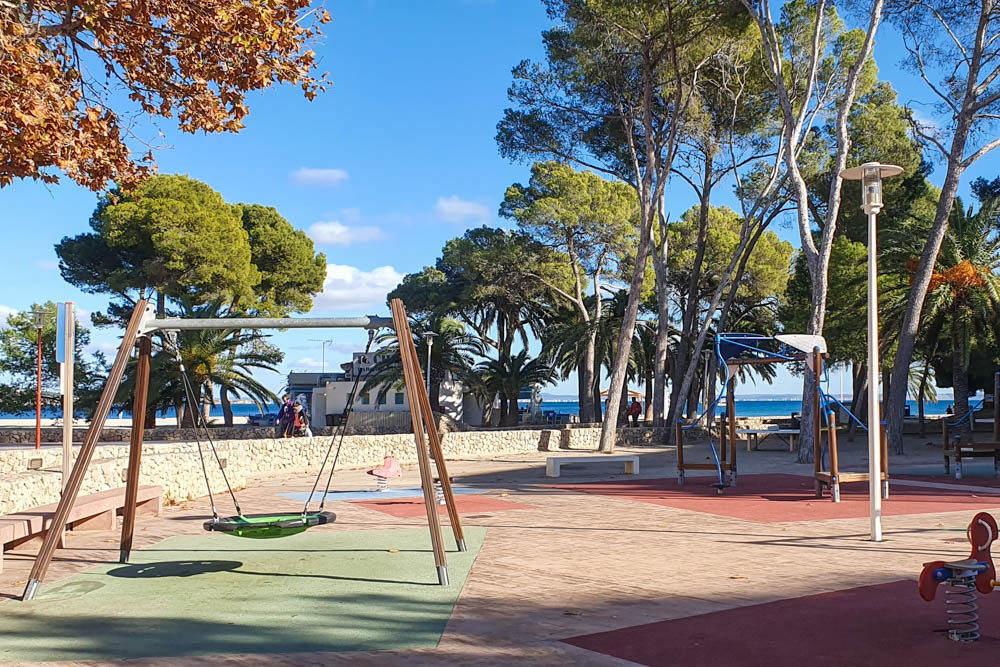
(323, 344)
(429, 337)
(39, 324)
(871, 174)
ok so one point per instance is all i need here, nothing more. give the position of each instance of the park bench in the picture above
(553, 463)
(97, 511)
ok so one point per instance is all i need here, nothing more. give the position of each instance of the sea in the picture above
(239, 410)
(754, 407)
(745, 407)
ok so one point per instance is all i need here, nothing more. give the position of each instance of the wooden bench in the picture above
(97, 511)
(554, 462)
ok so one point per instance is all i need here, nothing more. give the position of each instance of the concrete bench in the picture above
(554, 462)
(97, 511)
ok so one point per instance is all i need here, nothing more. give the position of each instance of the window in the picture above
(365, 399)
(381, 399)
(399, 398)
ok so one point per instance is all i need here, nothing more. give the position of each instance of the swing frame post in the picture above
(135, 445)
(75, 480)
(411, 377)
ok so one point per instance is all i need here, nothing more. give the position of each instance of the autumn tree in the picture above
(75, 77)
(590, 220)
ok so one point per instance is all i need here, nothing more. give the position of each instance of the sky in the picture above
(395, 159)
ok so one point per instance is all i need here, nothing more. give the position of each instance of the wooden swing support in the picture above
(141, 324)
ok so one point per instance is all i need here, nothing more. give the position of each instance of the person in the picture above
(301, 421)
(286, 417)
(634, 411)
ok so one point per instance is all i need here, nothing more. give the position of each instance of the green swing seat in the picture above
(269, 526)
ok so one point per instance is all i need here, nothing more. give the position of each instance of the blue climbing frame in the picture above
(733, 351)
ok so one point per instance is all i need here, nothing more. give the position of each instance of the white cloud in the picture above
(47, 264)
(454, 209)
(323, 177)
(350, 288)
(5, 312)
(336, 233)
(308, 363)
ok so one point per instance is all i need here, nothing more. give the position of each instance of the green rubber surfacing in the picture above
(324, 590)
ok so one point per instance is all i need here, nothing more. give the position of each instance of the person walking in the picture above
(286, 417)
(634, 411)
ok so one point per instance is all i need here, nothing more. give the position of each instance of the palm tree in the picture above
(453, 353)
(507, 378)
(963, 298)
(565, 343)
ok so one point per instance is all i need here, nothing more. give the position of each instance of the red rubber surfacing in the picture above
(948, 479)
(776, 498)
(887, 624)
(404, 508)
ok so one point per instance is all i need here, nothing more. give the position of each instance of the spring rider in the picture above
(390, 469)
(964, 578)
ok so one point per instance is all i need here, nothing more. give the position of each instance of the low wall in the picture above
(175, 465)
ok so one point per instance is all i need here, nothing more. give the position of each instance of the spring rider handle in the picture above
(981, 533)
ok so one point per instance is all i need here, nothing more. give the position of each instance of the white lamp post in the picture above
(323, 344)
(871, 174)
(429, 337)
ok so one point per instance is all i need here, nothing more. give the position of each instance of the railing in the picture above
(371, 423)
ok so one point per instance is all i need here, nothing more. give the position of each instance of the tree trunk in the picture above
(859, 378)
(692, 397)
(624, 349)
(921, 280)
(150, 421)
(960, 380)
(920, 397)
(586, 371)
(227, 407)
(662, 326)
(623, 408)
(205, 402)
(435, 395)
(648, 416)
(598, 408)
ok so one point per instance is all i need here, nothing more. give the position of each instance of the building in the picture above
(327, 393)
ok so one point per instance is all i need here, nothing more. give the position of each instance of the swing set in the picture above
(734, 351)
(258, 526)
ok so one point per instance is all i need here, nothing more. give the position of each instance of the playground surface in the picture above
(601, 569)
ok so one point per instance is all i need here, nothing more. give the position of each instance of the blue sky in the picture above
(394, 160)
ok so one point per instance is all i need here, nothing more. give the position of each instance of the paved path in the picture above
(573, 563)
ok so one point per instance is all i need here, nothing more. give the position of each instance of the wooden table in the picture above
(755, 435)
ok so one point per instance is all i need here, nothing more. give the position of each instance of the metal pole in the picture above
(69, 333)
(874, 436)
(38, 394)
(430, 343)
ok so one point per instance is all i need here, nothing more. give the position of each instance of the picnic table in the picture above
(754, 436)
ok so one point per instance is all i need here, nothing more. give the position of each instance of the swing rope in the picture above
(338, 438)
(199, 421)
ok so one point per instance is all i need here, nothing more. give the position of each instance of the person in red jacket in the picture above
(634, 411)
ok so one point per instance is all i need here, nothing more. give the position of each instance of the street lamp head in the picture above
(39, 318)
(871, 174)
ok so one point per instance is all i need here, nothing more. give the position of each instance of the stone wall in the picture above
(175, 465)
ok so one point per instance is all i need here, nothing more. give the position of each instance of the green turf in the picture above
(325, 590)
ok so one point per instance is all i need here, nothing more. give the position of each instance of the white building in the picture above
(329, 396)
